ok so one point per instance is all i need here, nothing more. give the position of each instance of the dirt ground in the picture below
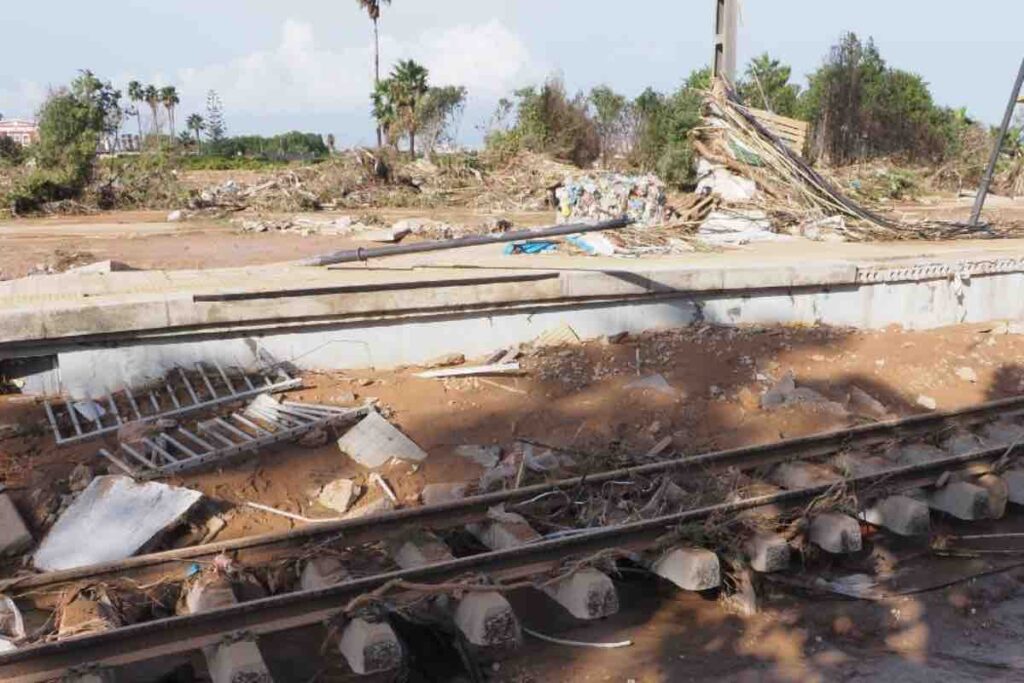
(577, 399)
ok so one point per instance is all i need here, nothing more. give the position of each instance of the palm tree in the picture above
(372, 8)
(136, 93)
(409, 85)
(197, 125)
(169, 98)
(384, 109)
(152, 97)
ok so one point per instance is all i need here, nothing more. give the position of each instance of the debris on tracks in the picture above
(118, 516)
(602, 196)
(374, 441)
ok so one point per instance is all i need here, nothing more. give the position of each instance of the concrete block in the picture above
(802, 475)
(209, 594)
(835, 533)
(998, 494)
(919, 453)
(587, 594)
(767, 552)
(321, 572)
(692, 569)
(239, 662)
(370, 647)
(1014, 486)
(901, 515)
(14, 535)
(487, 620)
(338, 495)
(374, 441)
(436, 494)
(511, 531)
(962, 500)
(419, 549)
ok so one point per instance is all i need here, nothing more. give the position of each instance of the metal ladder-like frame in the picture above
(261, 424)
(167, 401)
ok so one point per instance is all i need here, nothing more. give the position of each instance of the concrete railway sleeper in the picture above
(895, 488)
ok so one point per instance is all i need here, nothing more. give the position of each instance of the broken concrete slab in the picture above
(370, 647)
(587, 594)
(962, 500)
(118, 516)
(767, 553)
(338, 495)
(487, 620)
(901, 515)
(14, 535)
(692, 569)
(835, 533)
(374, 441)
(437, 494)
(210, 593)
(419, 549)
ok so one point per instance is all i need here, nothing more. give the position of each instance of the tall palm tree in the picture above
(196, 124)
(136, 93)
(152, 97)
(409, 86)
(169, 98)
(372, 8)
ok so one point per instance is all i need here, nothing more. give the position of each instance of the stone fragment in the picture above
(503, 531)
(835, 533)
(767, 553)
(338, 495)
(447, 360)
(927, 402)
(370, 647)
(692, 569)
(321, 572)
(587, 594)
(374, 441)
(487, 620)
(485, 456)
(207, 594)
(436, 494)
(962, 500)
(967, 374)
(79, 478)
(14, 535)
(998, 494)
(901, 515)
(863, 403)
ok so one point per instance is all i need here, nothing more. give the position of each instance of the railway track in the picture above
(509, 551)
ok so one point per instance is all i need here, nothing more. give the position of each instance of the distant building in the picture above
(20, 130)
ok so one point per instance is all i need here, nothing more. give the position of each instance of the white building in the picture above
(20, 130)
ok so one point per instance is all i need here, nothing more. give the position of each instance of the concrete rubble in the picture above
(14, 535)
(374, 441)
(119, 517)
(901, 515)
(235, 659)
(338, 495)
(835, 533)
(692, 569)
(587, 594)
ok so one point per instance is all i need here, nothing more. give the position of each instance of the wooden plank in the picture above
(791, 131)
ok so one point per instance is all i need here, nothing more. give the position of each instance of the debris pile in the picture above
(603, 196)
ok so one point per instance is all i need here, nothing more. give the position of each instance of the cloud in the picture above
(301, 75)
(22, 100)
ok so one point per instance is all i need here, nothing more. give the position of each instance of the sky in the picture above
(307, 64)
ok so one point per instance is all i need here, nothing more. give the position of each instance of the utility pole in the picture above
(726, 27)
(986, 182)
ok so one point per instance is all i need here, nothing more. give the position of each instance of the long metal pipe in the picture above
(361, 254)
(986, 182)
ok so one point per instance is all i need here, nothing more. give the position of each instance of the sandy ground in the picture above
(577, 398)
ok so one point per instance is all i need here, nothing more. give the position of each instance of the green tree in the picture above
(137, 94)
(408, 87)
(216, 129)
(151, 95)
(766, 86)
(610, 109)
(438, 113)
(372, 8)
(384, 111)
(197, 125)
(170, 99)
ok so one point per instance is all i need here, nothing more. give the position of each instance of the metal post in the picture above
(726, 28)
(986, 182)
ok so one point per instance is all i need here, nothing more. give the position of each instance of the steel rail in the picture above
(255, 549)
(140, 642)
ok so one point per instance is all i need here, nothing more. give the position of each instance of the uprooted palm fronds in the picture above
(791, 189)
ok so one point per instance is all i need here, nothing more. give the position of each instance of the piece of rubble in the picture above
(12, 625)
(79, 478)
(377, 507)
(967, 374)
(927, 402)
(418, 549)
(487, 620)
(322, 572)
(587, 594)
(692, 569)
(338, 495)
(802, 475)
(82, 615)
(14, 535)
(229, 662)
(867, 405)
(119, 516)
(447, 360)
(370, 647)
(471, 371)
(786, 393)
(176, 216)
(374, 441)
(503, 530)
(436, 494)
(767, 552)
(485, 456)
(656, 382)
(835, 533)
